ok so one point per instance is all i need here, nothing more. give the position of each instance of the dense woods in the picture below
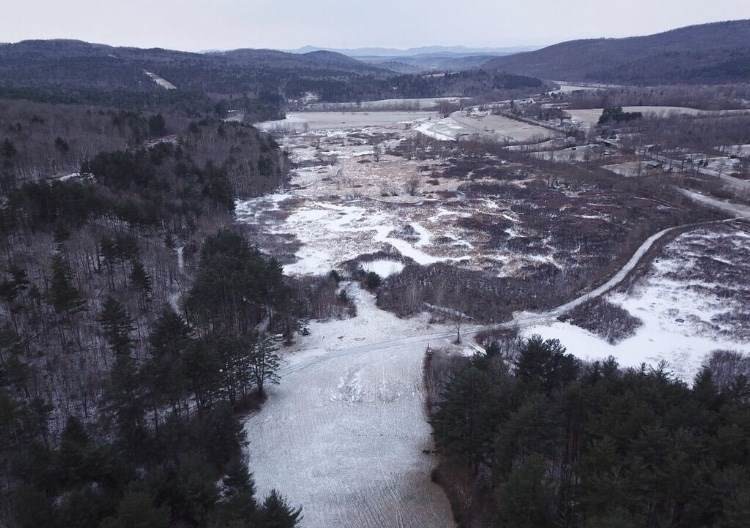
(532, 437)
(703, 54)
(119, 402)
(471, 83)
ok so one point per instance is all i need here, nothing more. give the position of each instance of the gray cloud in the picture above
(225, 24)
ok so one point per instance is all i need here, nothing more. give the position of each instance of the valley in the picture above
(380, 191)
(466, 285)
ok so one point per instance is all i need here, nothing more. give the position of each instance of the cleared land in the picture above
(303, 121)
(493, 127)
(590, 117)
(345, 431)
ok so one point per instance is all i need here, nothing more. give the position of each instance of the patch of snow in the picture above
(160, 81)
(384, 268)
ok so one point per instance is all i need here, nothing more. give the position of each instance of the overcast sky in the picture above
(227, 24)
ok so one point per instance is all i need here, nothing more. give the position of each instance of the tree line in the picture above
(542, 439)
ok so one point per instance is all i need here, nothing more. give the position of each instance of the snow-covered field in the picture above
(384, 268)
(495, 127)
(304, 121)
(742, 151)
(686, 309)
(590, 117)
(343, 433)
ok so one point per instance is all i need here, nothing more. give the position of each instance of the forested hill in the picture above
(130, 308)
(75, 71)
(708, 53)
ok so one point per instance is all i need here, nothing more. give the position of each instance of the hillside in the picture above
(75, 71)
(717, 52)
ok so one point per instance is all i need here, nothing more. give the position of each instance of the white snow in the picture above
(442, 130)
(384, 268)
(160, 81)
(337, 121)
(679, 324)
(343, 433)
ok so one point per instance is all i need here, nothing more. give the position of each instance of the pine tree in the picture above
(8, 149)
(276, 512)
(124, 402)
(140, 278)
(117, 326)
(264, 362)
(238, 506)
(169, 342)
(62, 294)
(137, 510)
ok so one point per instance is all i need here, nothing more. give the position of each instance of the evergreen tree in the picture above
(62, 294)
(238, 506)
(264, 362)
(140, 279)
(117, 326)
(61, 145)
(157, 127)
(8, 149)
(125, 402)
(169, 342)
(137, 510)
(277, 513)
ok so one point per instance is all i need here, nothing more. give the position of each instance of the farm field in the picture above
(589, 117)
(492, 127)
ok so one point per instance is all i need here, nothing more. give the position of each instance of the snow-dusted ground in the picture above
(736, 209)
(495, 127)
(342, 203)
(303, 121)
(384, 268)
(629, 169)
(684, 315)
(590, 117)
(343, 433)
(160, 81)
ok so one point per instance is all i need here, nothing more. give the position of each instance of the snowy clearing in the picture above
(344, 432)
(160, 81)
(384, 268)
(303, 121)
(590, 117)
(494, 127)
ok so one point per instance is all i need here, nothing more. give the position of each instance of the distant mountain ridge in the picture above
(707, 53)
(434, 51)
